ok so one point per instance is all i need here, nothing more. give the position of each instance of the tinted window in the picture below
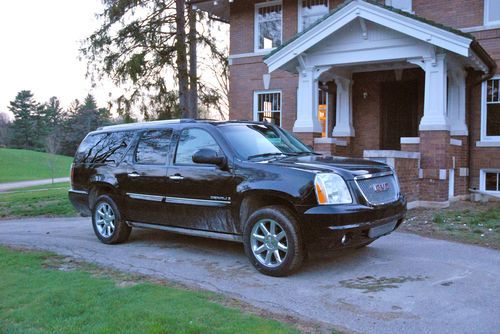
(104, 147)
(192, 140)
(256, 139)
(153, 147)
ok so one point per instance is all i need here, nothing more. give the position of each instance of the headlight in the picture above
(331, 189)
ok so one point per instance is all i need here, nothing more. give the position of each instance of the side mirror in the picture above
(208, 156)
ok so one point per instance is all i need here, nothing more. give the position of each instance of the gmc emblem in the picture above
(381, 187)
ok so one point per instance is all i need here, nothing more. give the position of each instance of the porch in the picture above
(377, 84)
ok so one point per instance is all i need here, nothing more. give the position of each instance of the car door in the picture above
(199, 196)
(146, 178)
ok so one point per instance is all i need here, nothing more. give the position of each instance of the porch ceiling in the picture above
(399, 36)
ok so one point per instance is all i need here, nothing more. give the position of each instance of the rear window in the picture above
(104, 147)
(153, 146)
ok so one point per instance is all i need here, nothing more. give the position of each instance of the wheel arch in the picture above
(256, 199)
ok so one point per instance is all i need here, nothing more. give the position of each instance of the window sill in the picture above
(488, 143)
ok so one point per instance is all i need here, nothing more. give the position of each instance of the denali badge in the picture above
(381, 187)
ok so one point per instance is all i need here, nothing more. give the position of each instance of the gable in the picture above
(379, 23)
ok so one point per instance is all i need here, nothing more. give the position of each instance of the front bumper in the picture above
(326, 226)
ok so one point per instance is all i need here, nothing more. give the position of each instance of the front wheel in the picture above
(109, 227)
(273, 241)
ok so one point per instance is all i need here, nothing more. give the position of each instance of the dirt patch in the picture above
(464, 221)
(376, 284)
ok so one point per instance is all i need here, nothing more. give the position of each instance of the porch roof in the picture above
(447, 38)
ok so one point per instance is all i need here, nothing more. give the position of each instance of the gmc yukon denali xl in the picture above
(243, 181)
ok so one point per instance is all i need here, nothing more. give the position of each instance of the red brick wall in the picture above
(407, 170)
(453, 13)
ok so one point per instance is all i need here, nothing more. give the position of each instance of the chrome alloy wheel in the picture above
(269, 243)
(105, 219)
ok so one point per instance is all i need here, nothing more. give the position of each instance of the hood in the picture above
(347, 167)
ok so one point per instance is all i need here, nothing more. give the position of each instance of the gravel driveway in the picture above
(402, 283)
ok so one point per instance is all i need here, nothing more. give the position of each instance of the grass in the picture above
(24, 165)
(464, 221)
(46, 200)
(40, 294)
(473, 225)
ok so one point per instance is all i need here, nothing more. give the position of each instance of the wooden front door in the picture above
(399, 112)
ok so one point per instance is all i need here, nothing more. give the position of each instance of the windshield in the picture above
(259, 140)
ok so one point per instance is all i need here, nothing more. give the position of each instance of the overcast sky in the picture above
(39, 49)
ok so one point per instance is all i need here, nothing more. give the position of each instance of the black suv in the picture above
(241, 181)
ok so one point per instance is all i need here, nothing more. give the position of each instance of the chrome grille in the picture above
(378, 189)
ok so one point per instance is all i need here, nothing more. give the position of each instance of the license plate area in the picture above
(376, 232)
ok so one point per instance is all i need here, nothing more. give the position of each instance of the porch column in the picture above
(343, 124)
(435, 100)
(307, 120)
(456, 102)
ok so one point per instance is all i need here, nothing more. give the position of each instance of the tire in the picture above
(109, 227)
(275, 254)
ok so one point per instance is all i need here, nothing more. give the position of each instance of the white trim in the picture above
(260, 53)
(481, 28)
(484, 108)
(490, 143)
(410, 140)
(482, 180)
(428, 205)
(256, 102)
(256, 25)
(455, 142)
(410, 10)
(330, 141)
(390, 154)
(360, 9)
(300, 28)
(487, 14)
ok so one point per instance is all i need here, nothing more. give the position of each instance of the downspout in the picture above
(492, 68)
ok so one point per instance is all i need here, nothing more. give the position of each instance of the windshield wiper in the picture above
(265, 155)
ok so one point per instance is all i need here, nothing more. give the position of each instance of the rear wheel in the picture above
(107, 221)
(273, 242)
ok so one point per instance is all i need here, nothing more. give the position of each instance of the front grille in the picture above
(379, 189)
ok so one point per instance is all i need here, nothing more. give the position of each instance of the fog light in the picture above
(345, 239)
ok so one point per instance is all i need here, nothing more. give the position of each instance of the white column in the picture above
(343, 124)
(307, 120)
(435, 100)
(456, 102)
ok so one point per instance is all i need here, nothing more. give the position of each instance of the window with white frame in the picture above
(405, 5)
(267, 107)
(491, 110)
(310, 11)
(491, 12)
(268, 25)
(490, 180)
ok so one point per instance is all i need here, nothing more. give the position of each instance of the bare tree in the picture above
(4, 129)
(52, 147)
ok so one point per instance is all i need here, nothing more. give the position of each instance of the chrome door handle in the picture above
(134, 174)
(176, 177)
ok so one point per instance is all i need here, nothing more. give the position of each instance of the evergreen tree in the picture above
(24, 107)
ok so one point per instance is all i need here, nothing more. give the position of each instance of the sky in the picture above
(39, 42)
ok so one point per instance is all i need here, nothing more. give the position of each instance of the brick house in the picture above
(413, 83)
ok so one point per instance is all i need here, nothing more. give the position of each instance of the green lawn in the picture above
(40, 293)
(47, 200)
(22, 165)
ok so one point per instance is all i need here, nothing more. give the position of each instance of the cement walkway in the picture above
(24, 184)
